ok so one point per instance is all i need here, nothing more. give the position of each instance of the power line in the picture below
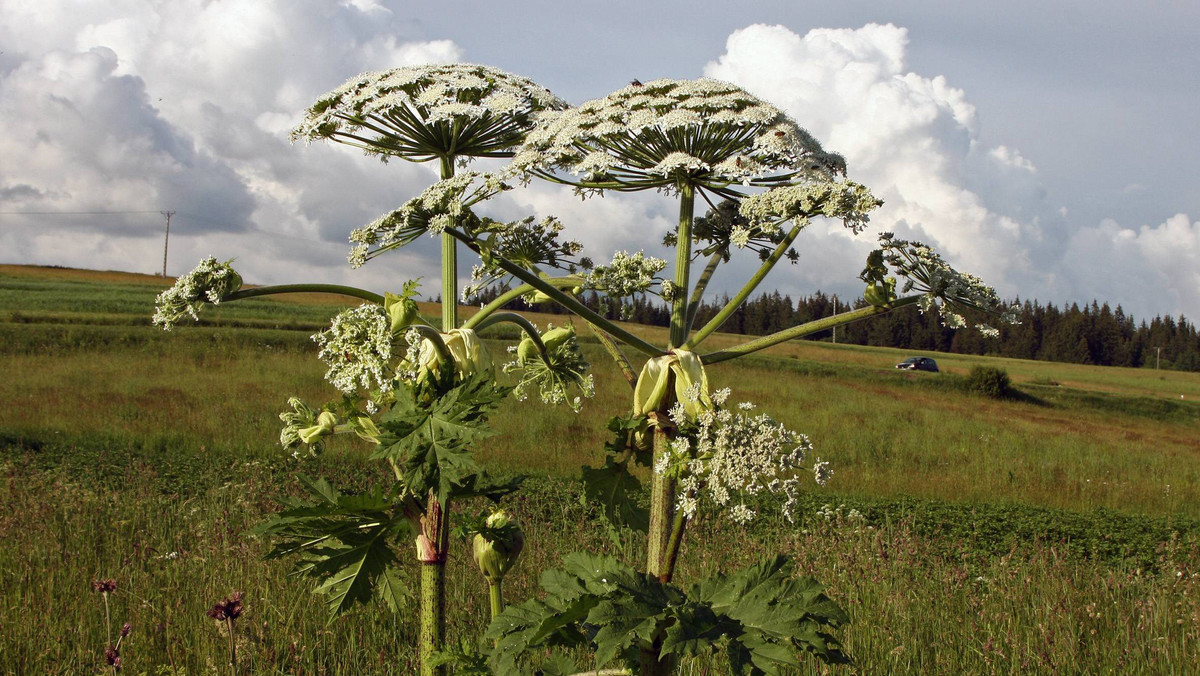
(75, 213)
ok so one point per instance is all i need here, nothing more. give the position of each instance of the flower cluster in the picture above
(210, 282)
(944, 287)
(357, 346)
(563, 369)
(532, 244)
(626, 275)
(664, 133)
(846, 200)
(444, 203)
(421, 112)
(723, 455)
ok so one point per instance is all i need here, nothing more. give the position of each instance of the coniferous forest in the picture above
(1089, 334)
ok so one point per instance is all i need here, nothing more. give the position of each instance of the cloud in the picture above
(147, 105)
(89, 140)
(1152, 268)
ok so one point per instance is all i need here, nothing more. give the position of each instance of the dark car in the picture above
(918, 364)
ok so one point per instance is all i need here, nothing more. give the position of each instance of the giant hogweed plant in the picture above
(423, 395)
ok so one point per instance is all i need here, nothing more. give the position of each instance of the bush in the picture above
(990, 382)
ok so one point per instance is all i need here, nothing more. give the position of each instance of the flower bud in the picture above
(691, 383)
(401, 310)
(497, 549)
(468, 352)
(324, 427)
(881, 293)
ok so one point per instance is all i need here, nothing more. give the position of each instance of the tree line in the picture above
(1088, 334)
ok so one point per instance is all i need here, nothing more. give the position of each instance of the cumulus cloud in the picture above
(1151, 268)
(915, 140)
(147, 105)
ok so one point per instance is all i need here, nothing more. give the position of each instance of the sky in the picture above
(1049, 147)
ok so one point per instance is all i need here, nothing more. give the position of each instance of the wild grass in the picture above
(1053, 533)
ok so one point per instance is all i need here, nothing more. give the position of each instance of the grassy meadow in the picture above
(1057, 531)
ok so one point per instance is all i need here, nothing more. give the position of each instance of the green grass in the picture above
(1055, 532)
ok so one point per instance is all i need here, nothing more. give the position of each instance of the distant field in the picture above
(1076, 504)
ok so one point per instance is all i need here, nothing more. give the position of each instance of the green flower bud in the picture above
(324, 427)
(880, 294)
(526, 350)
(402, 310)
(468, 352)
(555, 337)
(691, 383)
(497, 548)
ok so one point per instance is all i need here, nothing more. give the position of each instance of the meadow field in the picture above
(1054, 531)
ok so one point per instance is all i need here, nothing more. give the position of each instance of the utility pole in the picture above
(835, 311)
(167, 241)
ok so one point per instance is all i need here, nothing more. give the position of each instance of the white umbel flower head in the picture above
(210, 282)
(667, 133)
(357, 347)
(428, 112)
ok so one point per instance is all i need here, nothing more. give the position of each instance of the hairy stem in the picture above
(513, 294)
(662, 507)
(355, 292)
(567, 301)
(683, 262)
(736, 302)
(433, 615)
(805, 329)
(614, 351)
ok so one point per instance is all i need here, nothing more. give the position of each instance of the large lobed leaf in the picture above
(345, 542)
(761, 617)
(429, 438)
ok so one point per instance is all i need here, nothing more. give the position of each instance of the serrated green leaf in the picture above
(350, 574)
(392, 589)
(612, 487)
(429, 440)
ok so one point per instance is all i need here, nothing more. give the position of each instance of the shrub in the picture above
(990, 382)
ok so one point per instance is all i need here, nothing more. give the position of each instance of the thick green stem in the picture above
(662, 506)
(433, 615)
(683, 262)
(805, 329)
(702, 284)
(356, 292)
(614, 351)
(496, 597)
(567, 301)
(736, 302)
(449, 264)
(513, 294)
(672, 554)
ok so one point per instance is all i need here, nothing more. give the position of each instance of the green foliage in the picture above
(760, 618)
(613, 486)
(990, 382)
(346, 543)
(428, 437)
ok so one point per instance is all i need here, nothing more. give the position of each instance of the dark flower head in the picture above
(104, 586)
(112, 655)
(227, 609)
(126, 629)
